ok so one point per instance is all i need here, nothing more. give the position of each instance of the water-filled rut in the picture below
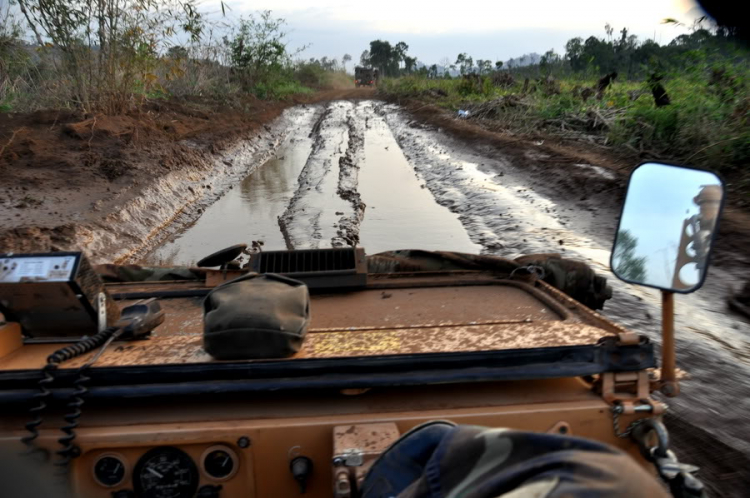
(338, 178)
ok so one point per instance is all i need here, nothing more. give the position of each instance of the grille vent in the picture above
(318, 268)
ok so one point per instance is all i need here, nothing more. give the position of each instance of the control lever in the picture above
(302, 468)
(209, 491)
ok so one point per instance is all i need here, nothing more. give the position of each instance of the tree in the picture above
(258, 48)
(108, 48)
(399, 52)
(364, 59)
(485, 66)
(548, 61)
(626, 264)
(346, 58)
(388, 58)
(498, 65)
(574, 54)
(177, 52)
(465, 63)
(409, 63)
(446, 63)
(381, 57)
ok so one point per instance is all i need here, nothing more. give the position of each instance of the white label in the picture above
(32, 268)
(37, 269)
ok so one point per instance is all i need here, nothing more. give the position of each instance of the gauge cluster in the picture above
(165, 471)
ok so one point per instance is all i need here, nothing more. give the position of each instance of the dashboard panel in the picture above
(245, 448)
(208, 469)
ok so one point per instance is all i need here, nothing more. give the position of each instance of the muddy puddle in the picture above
(338, 178)
(248, 211)
(401, 211)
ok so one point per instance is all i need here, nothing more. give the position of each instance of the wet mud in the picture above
(247, 211)
(338, 178)
(311, 219)
(367, 173)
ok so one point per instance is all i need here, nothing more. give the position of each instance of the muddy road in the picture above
(335, 163)
(367, 172)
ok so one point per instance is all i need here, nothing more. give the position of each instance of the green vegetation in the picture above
(388, 59)
(627, 264)
(705, 76)
(112, 55)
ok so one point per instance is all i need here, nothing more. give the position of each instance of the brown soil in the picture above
(63, 170)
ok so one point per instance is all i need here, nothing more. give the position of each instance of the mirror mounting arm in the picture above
(668, 378)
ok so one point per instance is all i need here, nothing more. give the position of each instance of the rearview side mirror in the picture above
(667, 227)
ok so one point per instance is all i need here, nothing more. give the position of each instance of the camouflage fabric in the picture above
(575, 278)
(439, 460)
(136, 273)
(417, 260)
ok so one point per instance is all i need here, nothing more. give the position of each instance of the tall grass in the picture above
(111, 56)
(707, 123)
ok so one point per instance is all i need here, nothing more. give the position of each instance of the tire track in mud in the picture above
(326, 205)
(500, 213)
(349, 164)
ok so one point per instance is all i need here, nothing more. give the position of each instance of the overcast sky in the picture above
(496, 29)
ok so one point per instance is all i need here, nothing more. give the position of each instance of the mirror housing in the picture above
(667, 227)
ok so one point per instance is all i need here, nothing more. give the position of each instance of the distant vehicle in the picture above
(364, 76)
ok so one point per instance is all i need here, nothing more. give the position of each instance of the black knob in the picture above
(123, 493)
(209, 491)
(301, 468)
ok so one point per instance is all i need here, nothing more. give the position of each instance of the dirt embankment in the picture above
(107, 184)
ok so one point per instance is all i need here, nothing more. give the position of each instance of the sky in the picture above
(659, 199)
(495, 29)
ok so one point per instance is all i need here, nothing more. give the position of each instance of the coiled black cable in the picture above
(53, 362)
(37, 410)
(69, 450)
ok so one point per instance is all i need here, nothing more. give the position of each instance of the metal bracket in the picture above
(629, 390)
(350, 458)
(628, 339)
(355, 449)
(627, 352)
(629, 393)
(101, 309)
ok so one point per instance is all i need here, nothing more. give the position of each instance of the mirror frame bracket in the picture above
(668, 384)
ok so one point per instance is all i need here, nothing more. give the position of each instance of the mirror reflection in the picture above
(667, 225)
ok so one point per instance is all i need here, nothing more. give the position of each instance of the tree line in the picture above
(620, 52)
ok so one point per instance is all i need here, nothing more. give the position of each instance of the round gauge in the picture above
(109, 470)
(165, 472)
(219, 462)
